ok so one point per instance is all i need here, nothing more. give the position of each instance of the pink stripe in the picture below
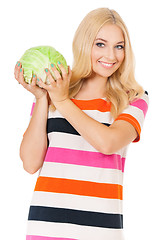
(32, 109)
(32, 237)
(85, 158)
(141, 104)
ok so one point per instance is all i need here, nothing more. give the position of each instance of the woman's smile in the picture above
(106, 64)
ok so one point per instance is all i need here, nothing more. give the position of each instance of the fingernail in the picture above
(34, 76)
(52, 65)
(18, 64)
(46, 70)
(58, 62)
(38, 79)
(21, 70)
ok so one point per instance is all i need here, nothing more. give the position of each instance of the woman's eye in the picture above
(119, 47)
(100, 44)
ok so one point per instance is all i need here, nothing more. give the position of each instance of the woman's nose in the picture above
(110, 54)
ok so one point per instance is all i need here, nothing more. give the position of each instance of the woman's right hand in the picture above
(33, 88)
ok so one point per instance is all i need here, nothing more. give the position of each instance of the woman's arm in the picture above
(105, 139)
(34, 144)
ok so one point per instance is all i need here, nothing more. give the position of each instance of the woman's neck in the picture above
(92, 88)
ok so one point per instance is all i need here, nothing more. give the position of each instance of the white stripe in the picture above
(104, 117)
(145, 97)
(71, 141)
(71, 201)
(53, 114)
(82, 173)
(64, 230)
(136, 113)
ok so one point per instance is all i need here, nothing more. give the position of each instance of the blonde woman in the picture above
(79, 137)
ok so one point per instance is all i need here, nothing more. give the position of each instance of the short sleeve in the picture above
(135, 113)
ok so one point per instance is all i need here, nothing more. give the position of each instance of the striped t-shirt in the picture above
(79, 191)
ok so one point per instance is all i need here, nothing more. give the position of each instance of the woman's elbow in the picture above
(30, 170)
(112, 147)
(28, 167)
(32, 161)
(109, 148)
(28, 164)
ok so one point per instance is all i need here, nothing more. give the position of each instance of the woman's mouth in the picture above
(106, 65)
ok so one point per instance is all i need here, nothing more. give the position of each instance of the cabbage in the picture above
(36, 59)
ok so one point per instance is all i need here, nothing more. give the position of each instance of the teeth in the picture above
(107, 64)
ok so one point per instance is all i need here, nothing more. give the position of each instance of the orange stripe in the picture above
(94, 104)
(129, 118)
(77, 187)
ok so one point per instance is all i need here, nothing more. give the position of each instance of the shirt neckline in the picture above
(104, 98)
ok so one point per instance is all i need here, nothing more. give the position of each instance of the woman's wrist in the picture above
(60, 104)
(42, 98)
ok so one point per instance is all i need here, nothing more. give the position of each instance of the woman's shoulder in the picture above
(144, 98)
(139, 105)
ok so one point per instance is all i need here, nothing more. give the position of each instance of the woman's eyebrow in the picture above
(121, 42)
(101, 39)
(107, 41)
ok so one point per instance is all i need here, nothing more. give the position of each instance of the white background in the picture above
(24, 24)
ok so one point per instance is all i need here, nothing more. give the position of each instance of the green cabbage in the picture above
(36, 59)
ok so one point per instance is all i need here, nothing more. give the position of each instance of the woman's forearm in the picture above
(97, 134)
(106, 140)
(34, 144)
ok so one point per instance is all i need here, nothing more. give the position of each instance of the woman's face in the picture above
(108, 50)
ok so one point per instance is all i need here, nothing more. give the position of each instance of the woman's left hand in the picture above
(58, 89)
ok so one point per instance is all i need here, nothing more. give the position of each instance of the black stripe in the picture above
(62, 125)
(146, 92)
(63, 215)
(107, 124)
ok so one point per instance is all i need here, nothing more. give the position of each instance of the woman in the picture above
(96, 111)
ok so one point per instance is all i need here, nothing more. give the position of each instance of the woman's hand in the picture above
(58, 89)
(33, 88)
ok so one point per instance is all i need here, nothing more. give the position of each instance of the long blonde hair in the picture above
(121, 87)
